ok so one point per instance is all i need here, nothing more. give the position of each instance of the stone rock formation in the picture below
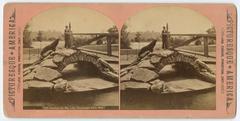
(143, 73)
(47, 72)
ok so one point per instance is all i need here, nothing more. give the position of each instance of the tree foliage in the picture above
(125, 42)
(26, 37)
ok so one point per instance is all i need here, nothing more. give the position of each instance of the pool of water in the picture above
(204, 100)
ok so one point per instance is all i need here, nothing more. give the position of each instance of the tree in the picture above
(114, 29)
(40, 36)
(138, 37)
(211, 30)
(26, 37)
(125, 43)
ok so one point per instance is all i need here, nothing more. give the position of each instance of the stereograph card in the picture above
(120, 60)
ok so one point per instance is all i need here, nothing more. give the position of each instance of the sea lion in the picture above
(148, 47)
(51, 46)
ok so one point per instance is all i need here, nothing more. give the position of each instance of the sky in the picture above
(82, 20)
(180, 20)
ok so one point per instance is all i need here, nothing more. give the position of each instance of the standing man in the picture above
(164, 38)
(67, 37)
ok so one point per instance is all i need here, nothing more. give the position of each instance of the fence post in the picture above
(29, 55)
(205, 46)
(127, 54)
(109, 46)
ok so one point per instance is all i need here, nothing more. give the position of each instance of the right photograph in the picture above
(168, 60)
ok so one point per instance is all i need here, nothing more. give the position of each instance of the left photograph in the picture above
(70, 61)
